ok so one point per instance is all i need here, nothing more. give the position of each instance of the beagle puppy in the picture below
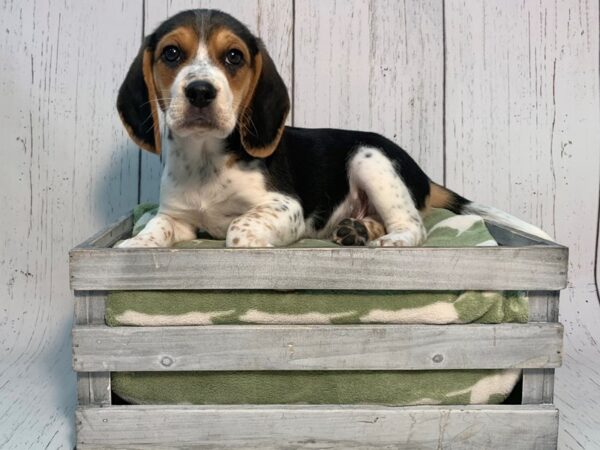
(236, 171)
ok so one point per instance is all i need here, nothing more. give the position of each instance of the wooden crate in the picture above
(521, 263)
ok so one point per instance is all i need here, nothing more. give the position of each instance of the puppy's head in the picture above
(209, 75)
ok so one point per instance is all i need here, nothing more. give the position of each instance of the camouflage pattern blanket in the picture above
(173, 308)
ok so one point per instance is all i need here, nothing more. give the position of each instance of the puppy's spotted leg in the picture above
(357, 231)
(277, 221)
(161, 231)
(373, 172)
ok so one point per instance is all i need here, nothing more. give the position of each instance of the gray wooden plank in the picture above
(547, 386)
(538, 384)
(543, 306)
(92, 388)
(514, 427)
(479, 268)
(107, 237)
(317, 347)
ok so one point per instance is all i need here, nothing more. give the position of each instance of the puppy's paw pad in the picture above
(397, 239)
(350, 232)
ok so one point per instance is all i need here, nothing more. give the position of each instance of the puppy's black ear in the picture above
(137, 102)
(262, 119)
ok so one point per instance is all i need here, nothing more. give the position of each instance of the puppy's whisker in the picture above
(157, 100)
(147, 119)
(151, 127)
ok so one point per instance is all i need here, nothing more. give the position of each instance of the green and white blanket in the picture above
(172, 308)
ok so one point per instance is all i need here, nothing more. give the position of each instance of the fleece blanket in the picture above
(172, 308)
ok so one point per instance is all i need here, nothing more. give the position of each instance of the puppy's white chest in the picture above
(210, 194)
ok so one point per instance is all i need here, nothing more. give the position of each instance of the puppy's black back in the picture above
(319, 158)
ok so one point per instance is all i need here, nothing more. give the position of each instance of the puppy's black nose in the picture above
(200, 93)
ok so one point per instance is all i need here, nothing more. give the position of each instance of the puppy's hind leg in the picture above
(372, 171)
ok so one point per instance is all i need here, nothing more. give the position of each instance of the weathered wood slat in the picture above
(317, 347)
(543, 306)
(92, 388)
(327, 426)
(111, 234)
(482, 268)
(538, 384)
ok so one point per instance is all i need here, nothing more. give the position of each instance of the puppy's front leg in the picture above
(161, 231)
(278, 221)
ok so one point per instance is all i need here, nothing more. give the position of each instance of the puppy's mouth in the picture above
(193, 119)
(198, 120)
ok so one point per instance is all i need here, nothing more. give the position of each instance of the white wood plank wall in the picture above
(522, 133)
(498, 99)
(68, 170)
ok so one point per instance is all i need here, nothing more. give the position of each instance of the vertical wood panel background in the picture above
(499, 99)
(522, 133)
(375, 65)
(68, 170)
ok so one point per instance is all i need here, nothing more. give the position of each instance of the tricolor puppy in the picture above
(235, 170)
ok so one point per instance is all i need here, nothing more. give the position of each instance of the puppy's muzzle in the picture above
(200, 93)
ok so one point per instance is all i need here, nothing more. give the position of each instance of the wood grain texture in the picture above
(107, 237)
(328, 426)
(521, 128)
(538, 384)
(374, 65)
(68, 170)
(92, 388)
(479, 268)
(522, 93)
(272, 20)
(317, 347)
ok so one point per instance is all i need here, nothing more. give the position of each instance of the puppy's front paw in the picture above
(138, 242)
(407, 238)
(241, 234)
(246, 241)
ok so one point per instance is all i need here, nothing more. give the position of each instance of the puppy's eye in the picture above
(234, 57)
(171, 54)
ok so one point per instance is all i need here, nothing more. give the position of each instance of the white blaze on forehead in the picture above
(200, 67)
(202, 53)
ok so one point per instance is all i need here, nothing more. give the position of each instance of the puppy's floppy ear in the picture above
(137, 102)
(263, 116)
